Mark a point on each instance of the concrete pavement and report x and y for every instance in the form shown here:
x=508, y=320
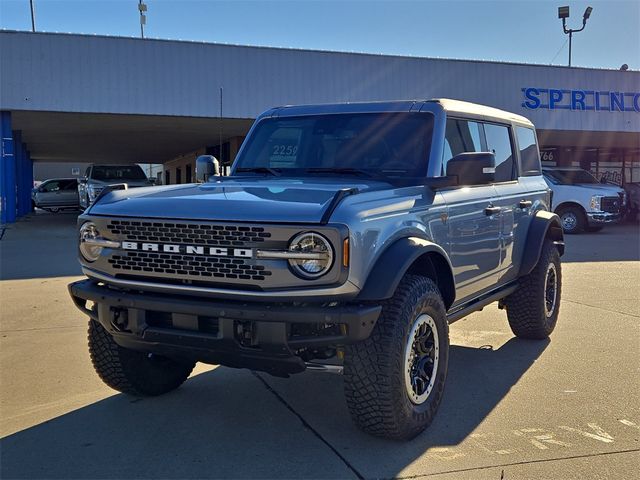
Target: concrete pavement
x=564, y=408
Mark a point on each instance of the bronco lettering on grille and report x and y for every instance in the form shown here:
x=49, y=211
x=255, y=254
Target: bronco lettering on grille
x=189, y=249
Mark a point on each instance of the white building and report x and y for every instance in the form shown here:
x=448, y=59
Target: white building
x=75, y=99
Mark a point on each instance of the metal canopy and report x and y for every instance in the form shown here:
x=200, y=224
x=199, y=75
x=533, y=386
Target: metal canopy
x=109, y=138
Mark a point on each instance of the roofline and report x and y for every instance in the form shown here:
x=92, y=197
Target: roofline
x=455, y=107
x=312, y=50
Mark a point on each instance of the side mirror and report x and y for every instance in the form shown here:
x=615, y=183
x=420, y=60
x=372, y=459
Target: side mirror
x=206, y=166
x=473, y=168
x=82, y=180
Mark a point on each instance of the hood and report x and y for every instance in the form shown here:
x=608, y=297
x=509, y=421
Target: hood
x=274, y=200
x=130, y=183
x=601, y=188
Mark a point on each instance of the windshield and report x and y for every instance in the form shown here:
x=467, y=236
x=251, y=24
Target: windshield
x=378, y=143
x=571, y=177
x=109, y=173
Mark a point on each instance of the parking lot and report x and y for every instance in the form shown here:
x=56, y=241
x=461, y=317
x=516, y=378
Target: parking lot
x=565, y=408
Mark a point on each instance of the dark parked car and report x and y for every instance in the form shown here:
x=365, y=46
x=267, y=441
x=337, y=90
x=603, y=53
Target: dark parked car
x=56, y=194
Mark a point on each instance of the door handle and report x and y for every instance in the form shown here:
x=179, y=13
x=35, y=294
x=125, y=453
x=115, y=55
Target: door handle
x=525, y=203
x=491, y=210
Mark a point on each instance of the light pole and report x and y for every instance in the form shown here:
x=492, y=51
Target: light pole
x=563, y=13
x=142, y=8
x=33, y=17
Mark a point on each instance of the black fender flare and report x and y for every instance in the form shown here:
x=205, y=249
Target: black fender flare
x=543, y=225
x=397, y=259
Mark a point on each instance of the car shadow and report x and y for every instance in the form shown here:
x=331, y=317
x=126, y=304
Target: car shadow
x=225, y=424
x=614, y=243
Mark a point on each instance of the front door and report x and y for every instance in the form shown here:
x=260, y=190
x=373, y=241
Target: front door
x=474, y=219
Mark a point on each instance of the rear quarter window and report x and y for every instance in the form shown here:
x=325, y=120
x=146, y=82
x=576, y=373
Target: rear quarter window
x=499, y=142
x=529, y=155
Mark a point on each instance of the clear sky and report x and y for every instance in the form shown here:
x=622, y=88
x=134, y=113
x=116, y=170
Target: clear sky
x=516, y=30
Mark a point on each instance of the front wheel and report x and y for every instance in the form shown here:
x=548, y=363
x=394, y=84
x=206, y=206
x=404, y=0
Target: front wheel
x=573, y=220
x=133, y=372
x=532, y=310
x=394, y=380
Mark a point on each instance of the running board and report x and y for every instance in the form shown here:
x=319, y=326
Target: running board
x=317, y=367
x=481, y=302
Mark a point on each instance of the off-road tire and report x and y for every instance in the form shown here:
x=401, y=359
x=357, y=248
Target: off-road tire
x=526, y=306
x=580, y=219
x=374, y=380
x=132, y=372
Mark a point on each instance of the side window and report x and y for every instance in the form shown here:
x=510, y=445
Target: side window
x=461, y=136
x=69, y=185
x=52, y=186
x=499, y=142
x=529, y=155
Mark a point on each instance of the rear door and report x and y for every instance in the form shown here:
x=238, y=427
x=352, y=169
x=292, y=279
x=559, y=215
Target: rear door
x=474, y=231
x=513, y=210
x=68, y=193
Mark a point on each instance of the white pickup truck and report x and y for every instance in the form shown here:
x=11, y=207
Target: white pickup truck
x=581, y=201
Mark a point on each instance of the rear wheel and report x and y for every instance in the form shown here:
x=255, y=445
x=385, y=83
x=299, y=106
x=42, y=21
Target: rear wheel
x=395, y=379
x=532, y=310
x=133, y=372
x=573, y=219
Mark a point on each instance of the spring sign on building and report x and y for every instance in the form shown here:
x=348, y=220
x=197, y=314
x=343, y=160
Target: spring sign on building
x=594, y=100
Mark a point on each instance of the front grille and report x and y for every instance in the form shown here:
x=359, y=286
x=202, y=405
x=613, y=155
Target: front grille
x=610, y=204
x=189, y=233
x=201, y=265
x=181, y=265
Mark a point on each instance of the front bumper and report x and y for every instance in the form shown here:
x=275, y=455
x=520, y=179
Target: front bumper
x=599, y=218
x=259, y=336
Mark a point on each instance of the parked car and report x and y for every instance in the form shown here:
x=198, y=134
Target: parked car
x=581, y=201
x=97, y=177
x=346, y=239
x=56, y=194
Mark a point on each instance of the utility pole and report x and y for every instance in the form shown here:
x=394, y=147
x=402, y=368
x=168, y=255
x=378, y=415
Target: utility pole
x=563, y=13
x=142, y=7
x=33, y=17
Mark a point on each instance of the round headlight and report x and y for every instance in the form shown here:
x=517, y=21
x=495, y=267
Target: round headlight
x=313, y=255
x=90, y=252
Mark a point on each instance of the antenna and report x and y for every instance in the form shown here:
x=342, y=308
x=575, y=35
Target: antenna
x=220, y=130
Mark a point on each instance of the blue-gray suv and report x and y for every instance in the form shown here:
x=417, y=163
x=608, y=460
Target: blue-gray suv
x=346, y=238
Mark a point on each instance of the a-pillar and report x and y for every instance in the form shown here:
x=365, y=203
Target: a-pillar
x=7, y=171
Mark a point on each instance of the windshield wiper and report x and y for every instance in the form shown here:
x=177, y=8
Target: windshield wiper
x=347, y=171
x=272, y=171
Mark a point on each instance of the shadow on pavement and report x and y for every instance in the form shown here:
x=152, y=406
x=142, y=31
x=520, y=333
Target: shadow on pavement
x=615, y=243
x=40, y=245
x=225, y=423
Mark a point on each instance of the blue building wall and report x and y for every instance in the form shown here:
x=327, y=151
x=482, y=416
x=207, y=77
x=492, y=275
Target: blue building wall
x=16, y=173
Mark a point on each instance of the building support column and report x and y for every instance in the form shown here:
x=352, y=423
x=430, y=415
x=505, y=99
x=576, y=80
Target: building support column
x=28, y=178
x=7, y=170
x=17, y=153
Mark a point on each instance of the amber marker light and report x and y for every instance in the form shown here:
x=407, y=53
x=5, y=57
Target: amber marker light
x=345, y=252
